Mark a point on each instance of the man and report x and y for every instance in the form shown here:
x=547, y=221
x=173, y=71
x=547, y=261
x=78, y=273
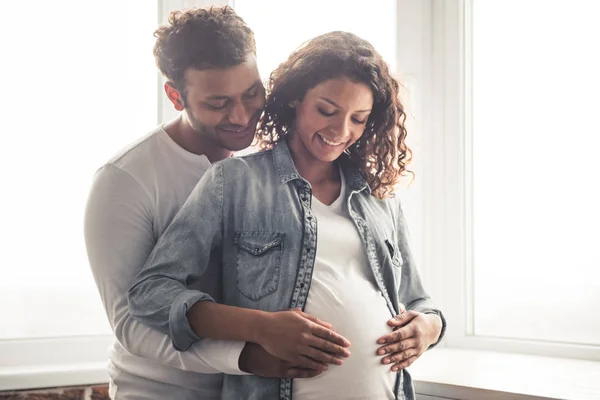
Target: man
x=208, y=57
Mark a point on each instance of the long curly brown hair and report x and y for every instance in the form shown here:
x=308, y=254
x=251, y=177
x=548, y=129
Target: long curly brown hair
x=381, y=154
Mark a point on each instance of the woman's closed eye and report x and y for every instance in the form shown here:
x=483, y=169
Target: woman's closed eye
x=251, y=94
x=325, y=113
x=359, y=121
x=355, y=120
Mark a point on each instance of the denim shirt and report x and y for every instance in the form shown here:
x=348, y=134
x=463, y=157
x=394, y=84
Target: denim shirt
x=251, y=217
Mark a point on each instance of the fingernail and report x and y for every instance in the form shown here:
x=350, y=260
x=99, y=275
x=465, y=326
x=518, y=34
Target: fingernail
x=381, y=352
x=386, y=360
x=395, y=369
x=381, y=341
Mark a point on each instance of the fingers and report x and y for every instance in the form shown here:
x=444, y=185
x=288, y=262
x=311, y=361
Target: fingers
x=402, y=319
x=398, y=335
x=305, y=362
x=400, y=354
x=323, y=357
x=324, y=345
x=399, y=358
x=329, y=342
x=329, y=336
x=398, y=347
x=301, y=373
x=314, y=319
x=404, y=364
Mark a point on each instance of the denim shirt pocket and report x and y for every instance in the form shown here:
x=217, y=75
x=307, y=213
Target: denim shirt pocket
x=258, y=263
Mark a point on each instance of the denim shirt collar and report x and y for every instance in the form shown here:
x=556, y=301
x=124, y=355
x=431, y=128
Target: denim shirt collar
x=286, y=170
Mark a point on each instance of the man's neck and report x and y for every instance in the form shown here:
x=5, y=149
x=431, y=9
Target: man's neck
x=184, y=135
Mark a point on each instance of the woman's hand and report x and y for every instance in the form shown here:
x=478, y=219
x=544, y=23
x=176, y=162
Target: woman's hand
x=301, y=339
x=413, y=333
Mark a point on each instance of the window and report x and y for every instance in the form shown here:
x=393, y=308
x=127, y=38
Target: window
x=282, y=26
x=79, y=83
x=535, y=135
x=514, y=91
x=74, y=92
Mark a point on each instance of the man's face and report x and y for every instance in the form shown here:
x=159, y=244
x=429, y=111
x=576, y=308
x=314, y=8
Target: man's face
x=224, y=105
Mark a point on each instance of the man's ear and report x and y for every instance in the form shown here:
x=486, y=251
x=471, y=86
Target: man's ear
x=174, y=95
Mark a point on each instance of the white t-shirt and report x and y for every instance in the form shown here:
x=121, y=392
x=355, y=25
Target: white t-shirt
x=133, y=199
x=343, y=292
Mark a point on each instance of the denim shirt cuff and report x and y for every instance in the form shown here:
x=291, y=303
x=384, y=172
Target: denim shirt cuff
x=443, y=331
x=180, y=330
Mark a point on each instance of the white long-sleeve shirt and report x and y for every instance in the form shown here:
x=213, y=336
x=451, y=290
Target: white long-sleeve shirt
x=132, y=200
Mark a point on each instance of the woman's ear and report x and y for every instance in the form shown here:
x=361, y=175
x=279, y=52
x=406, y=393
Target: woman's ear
x=293, y=104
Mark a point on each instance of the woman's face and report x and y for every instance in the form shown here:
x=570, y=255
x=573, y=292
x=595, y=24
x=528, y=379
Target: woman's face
x=330, y=118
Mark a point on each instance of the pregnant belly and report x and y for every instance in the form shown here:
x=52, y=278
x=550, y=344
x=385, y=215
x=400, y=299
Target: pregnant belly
x=360, y=315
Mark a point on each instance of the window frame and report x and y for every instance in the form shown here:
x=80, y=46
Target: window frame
x=449, y=198
x=53, y=362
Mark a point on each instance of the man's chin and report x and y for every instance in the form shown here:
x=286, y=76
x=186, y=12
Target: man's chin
x=237, y=145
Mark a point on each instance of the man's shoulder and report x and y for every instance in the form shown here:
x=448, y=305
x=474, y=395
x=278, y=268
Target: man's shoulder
x=139, y=153
x=130, y=169
x=139, y=160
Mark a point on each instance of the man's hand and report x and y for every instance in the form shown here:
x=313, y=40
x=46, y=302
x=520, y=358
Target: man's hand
x=301, y=339
x=413, y=333
x=257, y=361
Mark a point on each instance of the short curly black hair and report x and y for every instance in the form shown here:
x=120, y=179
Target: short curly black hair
x=381, y=154
x=201, y=38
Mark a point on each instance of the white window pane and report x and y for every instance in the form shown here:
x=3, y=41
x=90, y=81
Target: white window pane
x=536, y=203
x=79, y=82
x=282, y=26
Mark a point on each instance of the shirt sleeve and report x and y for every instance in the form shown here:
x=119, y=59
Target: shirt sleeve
x=159, y=296
x=412, y=293
x=119, y=237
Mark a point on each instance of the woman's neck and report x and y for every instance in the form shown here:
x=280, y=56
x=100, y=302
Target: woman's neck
x=315, y=171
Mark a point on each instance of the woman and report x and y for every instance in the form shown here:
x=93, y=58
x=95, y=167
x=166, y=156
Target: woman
x=308, y=223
